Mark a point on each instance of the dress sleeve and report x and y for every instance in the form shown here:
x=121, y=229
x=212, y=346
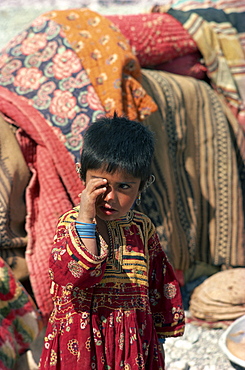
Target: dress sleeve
x=71, y=262
x=164, y=292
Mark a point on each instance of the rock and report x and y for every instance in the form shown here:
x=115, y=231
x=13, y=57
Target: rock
x=183, y=344
x=198, y=349
x=191, y=333
x=178, y=365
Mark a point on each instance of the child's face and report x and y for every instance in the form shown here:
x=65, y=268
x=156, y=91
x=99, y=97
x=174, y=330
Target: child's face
x=121, y=191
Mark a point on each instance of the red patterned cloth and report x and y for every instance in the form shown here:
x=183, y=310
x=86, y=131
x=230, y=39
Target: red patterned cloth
x=187, y=65
x=53, y=188
x=155, y=37
x=19, y=318
x=110, y=310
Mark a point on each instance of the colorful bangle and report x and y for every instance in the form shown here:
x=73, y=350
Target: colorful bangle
x=85, y=223
x=86, y=230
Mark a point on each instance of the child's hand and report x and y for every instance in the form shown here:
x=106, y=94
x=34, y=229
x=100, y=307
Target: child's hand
x=94, y=188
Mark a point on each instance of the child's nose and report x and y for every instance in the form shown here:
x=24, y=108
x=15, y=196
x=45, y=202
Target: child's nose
x=109, y=194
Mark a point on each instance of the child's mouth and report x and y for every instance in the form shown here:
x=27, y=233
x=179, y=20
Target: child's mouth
x=107, y=211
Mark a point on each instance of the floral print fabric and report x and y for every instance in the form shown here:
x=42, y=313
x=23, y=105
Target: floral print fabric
x=40, y=67
x=110, y=310
x=108, y=60
x=74, y=66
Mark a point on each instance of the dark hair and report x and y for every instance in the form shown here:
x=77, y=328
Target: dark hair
x=118, y=143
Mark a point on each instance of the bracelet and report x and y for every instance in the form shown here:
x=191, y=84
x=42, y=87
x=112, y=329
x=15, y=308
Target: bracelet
x=87, y=236
x=86, y=230
x=85, y=223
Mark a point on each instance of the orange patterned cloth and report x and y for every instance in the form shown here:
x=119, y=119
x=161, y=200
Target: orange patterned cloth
x=106, y=55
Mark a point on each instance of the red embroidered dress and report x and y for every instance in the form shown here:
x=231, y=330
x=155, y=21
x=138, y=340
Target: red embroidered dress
x=110, y=310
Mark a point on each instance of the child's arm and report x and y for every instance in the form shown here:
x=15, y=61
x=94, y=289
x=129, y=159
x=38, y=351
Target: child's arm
x=164, y=292
x=71, y=263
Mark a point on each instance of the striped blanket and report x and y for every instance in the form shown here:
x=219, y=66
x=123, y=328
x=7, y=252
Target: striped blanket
x=197, y=200
x=220, y=39
x=230, y=6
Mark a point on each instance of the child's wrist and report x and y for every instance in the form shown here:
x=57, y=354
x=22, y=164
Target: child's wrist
x=86, y=230
x=86, y=220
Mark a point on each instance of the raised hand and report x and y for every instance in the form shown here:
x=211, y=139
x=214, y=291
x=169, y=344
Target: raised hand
x=94, y=188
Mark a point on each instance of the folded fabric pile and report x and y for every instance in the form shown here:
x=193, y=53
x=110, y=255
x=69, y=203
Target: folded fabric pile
x=15, y=176
x=164, y=43
x=231, y=6
x=219, y=36
x=206, y=44
x=70, y=67
x=47, y=94
x=107, y=57
x=197, y=165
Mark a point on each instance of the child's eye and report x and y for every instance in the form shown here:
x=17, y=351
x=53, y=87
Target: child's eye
x=124, y=186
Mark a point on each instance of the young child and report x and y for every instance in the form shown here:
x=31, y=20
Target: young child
x=115, y=294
